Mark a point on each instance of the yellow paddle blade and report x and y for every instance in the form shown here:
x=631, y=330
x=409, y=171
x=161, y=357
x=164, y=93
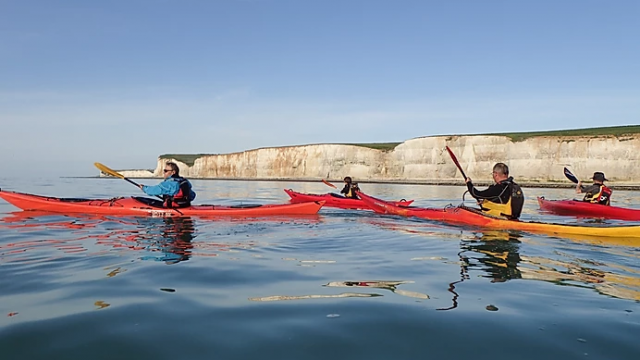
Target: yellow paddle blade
x=108, y=171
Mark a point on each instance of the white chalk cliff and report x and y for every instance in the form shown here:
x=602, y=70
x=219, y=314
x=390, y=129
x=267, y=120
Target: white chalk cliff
x=536, y=159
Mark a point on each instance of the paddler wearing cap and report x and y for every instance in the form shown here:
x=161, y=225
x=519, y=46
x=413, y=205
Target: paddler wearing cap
x=597, y=193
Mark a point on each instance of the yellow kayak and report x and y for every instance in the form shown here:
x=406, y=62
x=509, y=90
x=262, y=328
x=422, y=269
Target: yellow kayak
x=472, y=217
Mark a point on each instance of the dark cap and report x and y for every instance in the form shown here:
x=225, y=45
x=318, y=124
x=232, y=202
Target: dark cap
x=599, y=176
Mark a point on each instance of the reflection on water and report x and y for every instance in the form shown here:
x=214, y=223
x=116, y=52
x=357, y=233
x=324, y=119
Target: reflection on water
x=497, y=256
x=304, y=297
x=501, y=250
x=501, y=261
x=164, y=239
x=387, y=285
x=172, y=239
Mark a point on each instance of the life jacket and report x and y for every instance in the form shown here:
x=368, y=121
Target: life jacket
x=602, y=197
x=512, y=208
x=181, y=199
x=351, y=193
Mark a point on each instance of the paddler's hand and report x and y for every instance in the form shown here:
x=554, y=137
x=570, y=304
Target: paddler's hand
x=141, y=187
x=468, y=180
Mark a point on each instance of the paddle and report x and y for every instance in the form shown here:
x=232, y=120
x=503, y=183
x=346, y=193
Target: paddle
x=329, y=184
x=113, y=173
x=570, y=175
x=455, y=160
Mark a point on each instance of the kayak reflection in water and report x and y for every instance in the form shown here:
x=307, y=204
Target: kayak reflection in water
x=598, y=193
x=350, y=188
x=502, y=199
x=175, y=190
x=500, y=260
x=173, y=240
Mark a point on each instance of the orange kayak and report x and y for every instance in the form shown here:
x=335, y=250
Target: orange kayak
x=475, y=218
x=146, y=206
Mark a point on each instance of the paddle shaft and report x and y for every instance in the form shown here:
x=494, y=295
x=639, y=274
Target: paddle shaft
x=131, y=181
x=455, y=161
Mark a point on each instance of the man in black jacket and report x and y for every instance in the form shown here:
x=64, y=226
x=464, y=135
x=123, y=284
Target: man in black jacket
x=502, y=199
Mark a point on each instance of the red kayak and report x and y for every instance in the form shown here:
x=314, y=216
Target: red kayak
x=145, y=206
x=586, y=209
x=472, y=217
x=337, y=201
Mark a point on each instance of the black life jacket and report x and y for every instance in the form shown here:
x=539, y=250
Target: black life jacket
x=602, y=197
x=351, y=189
x=517, y=200
x=512, y=208
x=181, y=199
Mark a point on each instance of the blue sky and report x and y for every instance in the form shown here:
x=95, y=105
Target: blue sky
x=123, y=81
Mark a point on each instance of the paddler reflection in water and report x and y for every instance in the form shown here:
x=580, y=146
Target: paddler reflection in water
x=500, y=254
x=172, y=239
x=350, y=188
x=175, y=190
x=502, y=199
x=597, y=193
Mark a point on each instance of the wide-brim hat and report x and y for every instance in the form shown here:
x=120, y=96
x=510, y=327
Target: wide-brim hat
x=599, y=176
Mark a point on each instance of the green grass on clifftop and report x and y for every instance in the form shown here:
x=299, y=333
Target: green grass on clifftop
x=188, y=159
x=591, y=132
x=379, y=146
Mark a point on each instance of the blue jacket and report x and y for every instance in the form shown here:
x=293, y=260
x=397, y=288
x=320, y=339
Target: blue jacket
x=170, y=186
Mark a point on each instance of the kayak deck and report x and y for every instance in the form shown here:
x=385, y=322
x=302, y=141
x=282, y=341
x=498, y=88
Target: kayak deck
x=147, y=206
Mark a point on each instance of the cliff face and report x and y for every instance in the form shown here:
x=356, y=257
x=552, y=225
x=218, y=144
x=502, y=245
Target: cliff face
x=538, y=159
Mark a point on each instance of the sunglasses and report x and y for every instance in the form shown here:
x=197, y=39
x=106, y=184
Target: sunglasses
x=165, y=170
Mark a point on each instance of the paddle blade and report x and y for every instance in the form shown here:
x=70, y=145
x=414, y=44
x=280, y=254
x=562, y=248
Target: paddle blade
x=455, y=161
x=570, y=175
x=108, y=171
x=329, y=184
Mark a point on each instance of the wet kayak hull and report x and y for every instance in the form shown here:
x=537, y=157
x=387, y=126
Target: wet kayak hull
x=146, y=206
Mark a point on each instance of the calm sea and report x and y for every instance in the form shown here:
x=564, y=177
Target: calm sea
x=340, y=285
